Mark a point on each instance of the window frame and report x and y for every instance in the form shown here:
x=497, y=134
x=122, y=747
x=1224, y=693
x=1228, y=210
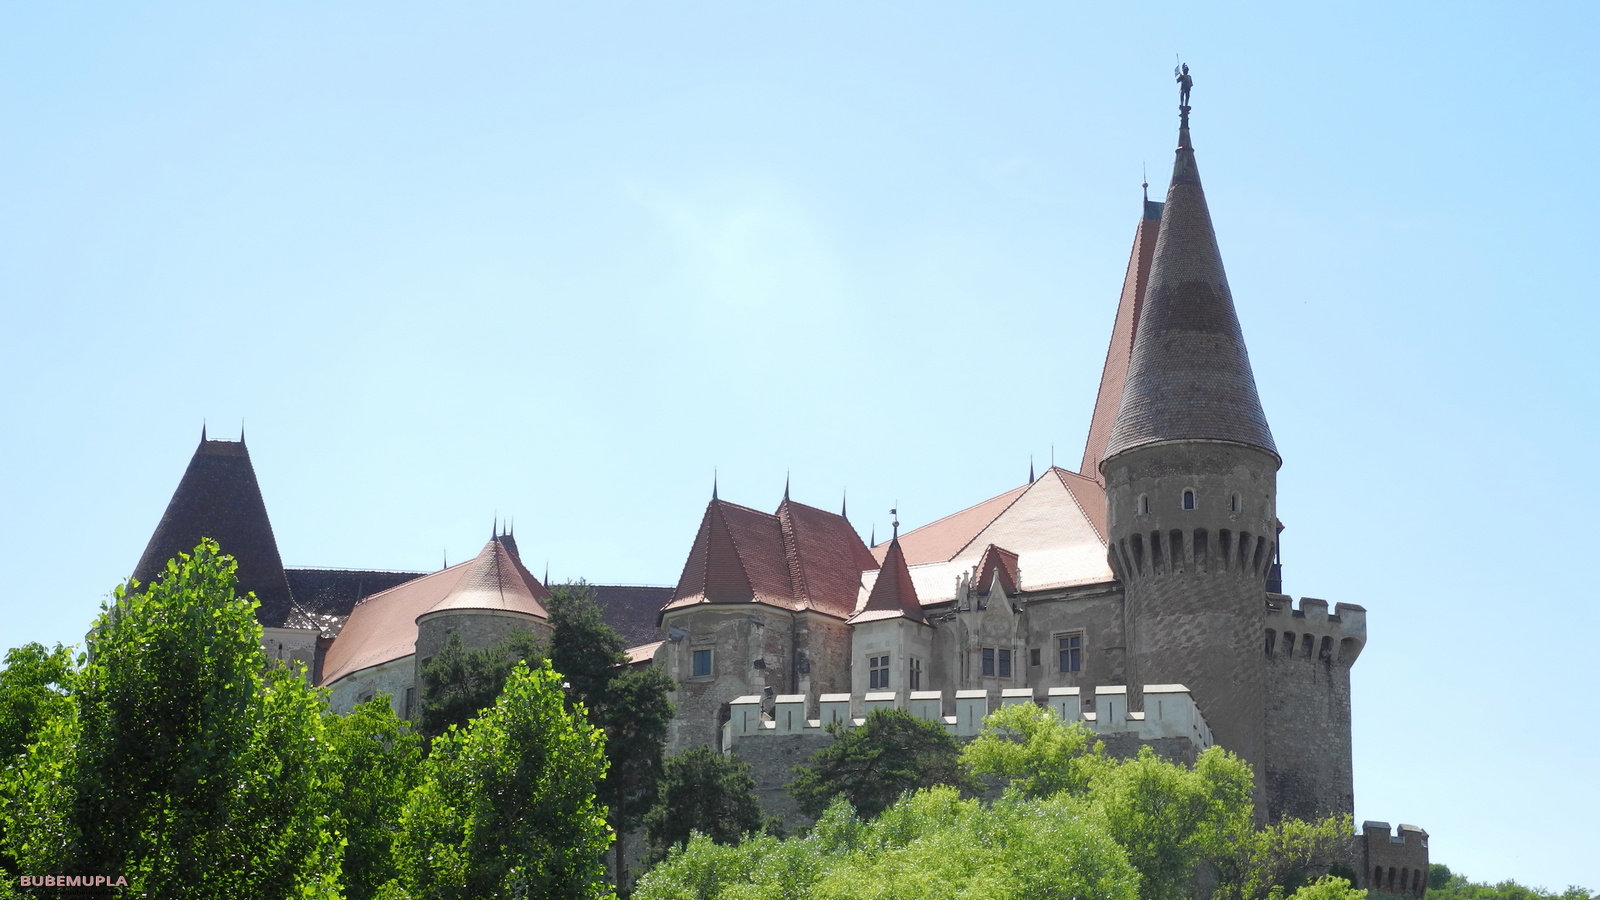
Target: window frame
x=1075, y=649
x=913, y=674
x=694, y=662
x=878, y=672
x=987, y=664
x=1005, y=667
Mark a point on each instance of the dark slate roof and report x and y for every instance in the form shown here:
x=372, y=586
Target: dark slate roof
x=632, y=610
x=325, y=597
x=218, y=498
x=1189, y=378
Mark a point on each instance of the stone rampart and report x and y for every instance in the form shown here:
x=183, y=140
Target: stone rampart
x=1393, y=863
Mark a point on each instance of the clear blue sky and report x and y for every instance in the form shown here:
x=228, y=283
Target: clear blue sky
x=558, y=262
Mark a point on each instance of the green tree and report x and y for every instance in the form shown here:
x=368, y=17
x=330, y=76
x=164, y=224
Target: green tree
x=506, y=807
x=1328, y=887
x=1444, y=884
x=458, y=683
x=185, y=762
x=1035, y=752
x=705, y=792
x=871, y=765
x=33, y=691
x=377, y=762
x=1256, y=862
x=630, y=705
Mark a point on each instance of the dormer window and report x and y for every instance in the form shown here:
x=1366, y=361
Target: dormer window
x=1188, y=499
x=1144, y=504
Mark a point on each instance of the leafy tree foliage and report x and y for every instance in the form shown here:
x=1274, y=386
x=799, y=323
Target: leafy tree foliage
x=931, y=844
x=1035, y=752
x=629, y=705
x=377, y=762
x=705, y=792
x=872, y=765
x=458, y=683
x=506, y=807
x=33, y=691
x=1444, y=884
x=184, y=761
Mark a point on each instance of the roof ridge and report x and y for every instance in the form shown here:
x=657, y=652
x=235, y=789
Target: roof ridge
x=1026, y=489
x=1062, y=474
x=791, y=556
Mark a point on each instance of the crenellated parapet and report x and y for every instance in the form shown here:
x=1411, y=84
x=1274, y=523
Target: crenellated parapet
x=1310, y=633
x=1169, y=712
x=1393, y=862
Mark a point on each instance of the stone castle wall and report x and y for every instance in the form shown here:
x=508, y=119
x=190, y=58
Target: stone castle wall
x=1309, y=654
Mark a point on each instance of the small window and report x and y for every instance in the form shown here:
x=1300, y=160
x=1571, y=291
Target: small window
x=1235, y=503
x=1071, y=648
x=878, y=672
x=914, y=674
x=702, y=663
x=1188, y=499
x=988, y=661
x=1033, y=657
x=1144, y=504
x=411, y=703
x=1005, y=663
x=365, y=698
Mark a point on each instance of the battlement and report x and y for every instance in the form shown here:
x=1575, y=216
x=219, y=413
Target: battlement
x=1169, y=712
x=1309, y=632
x=1393, y=863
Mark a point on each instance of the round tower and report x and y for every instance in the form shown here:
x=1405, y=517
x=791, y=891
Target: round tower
x=1190, y=471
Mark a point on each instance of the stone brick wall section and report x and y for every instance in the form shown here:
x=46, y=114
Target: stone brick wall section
x=1309, y=654
x=1392, y=863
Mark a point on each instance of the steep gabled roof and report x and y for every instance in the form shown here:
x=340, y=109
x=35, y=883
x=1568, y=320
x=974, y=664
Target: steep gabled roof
x=942, y=539
x=495, y=579
x=893, y=594
x=738, y=557
x=219, y=498
x=801, y=558
x=997, y=562
x=1114, y=375
x=1189, y=378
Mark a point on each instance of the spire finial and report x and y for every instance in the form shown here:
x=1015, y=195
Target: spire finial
x=1181, y=74
x=202, y=431
x=844, y=506
x=241, y=432
x=896, y=520
x=1144, y=172
x=873, y=541
x=786, y=485
x=444, y=559
x=547, y=573
x=1031, y=479
x=713, y=484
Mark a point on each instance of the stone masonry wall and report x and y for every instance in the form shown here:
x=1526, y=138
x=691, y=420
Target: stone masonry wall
x=1309, y=654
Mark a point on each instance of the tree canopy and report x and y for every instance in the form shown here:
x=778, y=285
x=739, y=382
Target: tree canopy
x=705, y=792
x=871, y=765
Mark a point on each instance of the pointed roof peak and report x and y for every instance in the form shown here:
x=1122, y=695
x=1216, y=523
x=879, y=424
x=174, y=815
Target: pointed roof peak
x=496, y=579
x=1189, y=376
x=893, y=594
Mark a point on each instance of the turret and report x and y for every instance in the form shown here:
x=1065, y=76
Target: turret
x=1190, y=470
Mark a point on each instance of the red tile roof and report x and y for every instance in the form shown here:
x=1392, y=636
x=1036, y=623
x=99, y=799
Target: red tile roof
x=997, y=561
x=496, y=579
x=800, y=558
x=941, y=540
x=892, y=592
x=1124, y=329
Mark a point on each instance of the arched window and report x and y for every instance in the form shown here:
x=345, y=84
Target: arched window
x=1188, y=499
x=1144, y=504
x=1235, y=503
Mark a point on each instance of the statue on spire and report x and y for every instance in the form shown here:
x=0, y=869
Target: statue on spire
x=1181, y=73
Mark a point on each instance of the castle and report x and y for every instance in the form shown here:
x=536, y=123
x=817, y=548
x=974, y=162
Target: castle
x=1140, y=594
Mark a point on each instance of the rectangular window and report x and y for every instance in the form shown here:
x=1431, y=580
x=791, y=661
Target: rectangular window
x=1071, y=646
x=988, y=661
x=702, y=662
x=411, y=703
x=878, y=672
x=1005, y=663
x=1033, y=656
x=914, y=674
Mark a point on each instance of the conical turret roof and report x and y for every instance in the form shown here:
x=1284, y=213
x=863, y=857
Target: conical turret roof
x=219, y=498
x=893, y=594
x=1189, y=378
x=496, y=580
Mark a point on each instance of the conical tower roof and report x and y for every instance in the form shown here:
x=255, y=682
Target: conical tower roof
x=219, y=498
x=893, y=594
x=1189, y=378
x=494, y=579
x=1114, y=376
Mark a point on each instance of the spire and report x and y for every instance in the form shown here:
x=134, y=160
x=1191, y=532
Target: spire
x=202, y=431
x=894, y=591
x=1189, y=378
x=1031, y=479
x=786, y=485
x=844, y=506
x=873, y=541
x=713, y=484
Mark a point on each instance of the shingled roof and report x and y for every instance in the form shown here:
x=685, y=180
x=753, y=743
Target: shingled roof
x=1114, y=375
x=893, y=593
x=1189, y=378
x=800, y=558
x=219, y=498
